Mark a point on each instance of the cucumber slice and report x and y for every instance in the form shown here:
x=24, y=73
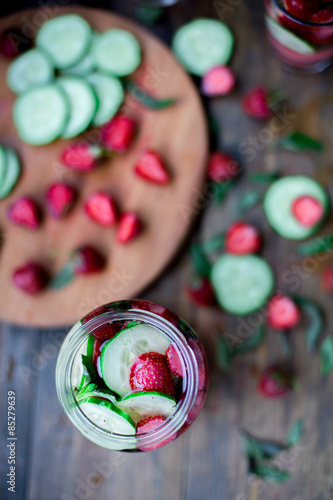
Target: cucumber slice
x=110, y=94
x=119, y=352
x=87, y=65
x=83, y=104
x=12, y=172
x=242, y=284
x=41, y=114
x=141, y=404
x=78, y=378
x=278, y=201
x=117, y=52
x=66, y=39
x=287, y=38
x=107, y=416
x=202, y=44
x=28, y=70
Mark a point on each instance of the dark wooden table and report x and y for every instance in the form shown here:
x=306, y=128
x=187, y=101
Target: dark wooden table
x=54, y=462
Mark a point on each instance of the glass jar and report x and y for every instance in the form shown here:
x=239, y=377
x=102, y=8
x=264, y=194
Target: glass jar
x=192, y=388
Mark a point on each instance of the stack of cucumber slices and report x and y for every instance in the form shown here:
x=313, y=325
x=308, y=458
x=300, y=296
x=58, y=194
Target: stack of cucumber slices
x=70, y=79
x=10, y=170
x=102, y=383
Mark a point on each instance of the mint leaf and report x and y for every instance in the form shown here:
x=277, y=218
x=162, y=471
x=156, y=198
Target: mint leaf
x=251, y=342
x=326, y=356
x=86, y=391
x=271, y=473
x=63, y=278
x=148, y=15
x=316, y=245
x=214, y=243
x=146, y=99
x=200, y=262
x=88, y=368
x=262, y=449
x=295, y=433
x=249, y=200
x=221, y=189
x=265, y=178
x=316, y=321
x=223, y=354
x=298, y=142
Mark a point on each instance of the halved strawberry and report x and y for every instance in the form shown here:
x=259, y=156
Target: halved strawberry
x=60, y=199
x=149, y=424
x=86, y=260
x=150, y=372
x=323, y=16
x=151, y=167
x=275, y=382
x=222, y=167
x=129, y=227
x=283, y=313
x=307, y=210
x=327, y=280
x=301, y=9
x=174, y=361
x=118, y=134
x=201, y=291
x=219, y=80
x=101, y=208
x=82, y=156
x=109, y=330
x=256, y=103
x=25, y=212
x=32, y=278
x=242, y=238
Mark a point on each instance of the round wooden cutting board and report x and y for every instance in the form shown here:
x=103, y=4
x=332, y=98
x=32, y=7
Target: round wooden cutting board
x=178, y=133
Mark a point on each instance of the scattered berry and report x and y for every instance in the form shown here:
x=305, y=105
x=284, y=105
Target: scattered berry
x=151, y=168
x=174, y=361
x=87, y=260
x=219, y=80
x=327, y=280
x=32, y=278
x=274, y=383
x=301, y=9
x=222, y=167
x=81, y=156
x=307, y=211
x=150, y=372
x=255, y=103
x=25, y=212
x=102, y=209
x=118, y=134
x=242, y=238
x=283, y=313
x=201, y=291
x=322, y=16
x=60, y=199
x=129, y=227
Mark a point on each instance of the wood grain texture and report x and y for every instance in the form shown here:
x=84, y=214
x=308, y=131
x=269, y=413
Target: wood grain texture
x=178, y=133
x=207, y=462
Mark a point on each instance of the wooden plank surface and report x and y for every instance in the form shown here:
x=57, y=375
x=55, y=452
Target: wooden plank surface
x=207, y=462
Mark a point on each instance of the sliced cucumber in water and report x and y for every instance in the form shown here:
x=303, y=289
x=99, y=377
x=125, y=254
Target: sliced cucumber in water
x=67, y=39
x=279, y=199
x=107, y=416
x=41, y=114
x=141, y=404
x=12, y=171
x=242, y=284
x=110, y=94
x=119, y=353
x=78, y=377
x=202, y=44
x=32, y=68
x=82, y=104
x=287, y=38
x=117, y=52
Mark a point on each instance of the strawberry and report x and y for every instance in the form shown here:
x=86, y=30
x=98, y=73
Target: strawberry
x=81, y=156
x=201, y=291
x=148, y=425
x=86, y=260
x=219, y=80
x=242, y=238
x=101, y=208
x=60, y=199
x=327, y=280
x=25, y=212
x=13, y=42
x=274, y=382
x=118, y=134
x=283, y=313
x=129, y=227
x=174, y=361
x=308, y=211
x=106, y=332
x=222, y=167
x=322, y=16
x=32, y=277
x=301, y=9
x=151, y=168
x=150, y=372
x=96, y=352
x=255, y=103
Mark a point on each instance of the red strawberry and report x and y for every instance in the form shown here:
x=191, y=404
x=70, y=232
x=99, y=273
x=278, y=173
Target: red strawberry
x=242, y=238
x=222, y=167
x=274, y=383
x=129, y=227
x=201, y=291
x=283, y=313
x=219, y=80
x=255, y=103
x=118, y=133
x=60, y=198
x=102, y=209
x=81, y=156
x=151, y=168
x=307, y=210
x=87, y=260
x=150, y=372
x=301, y=9
x=327, y=280
x=323, y=16
x=174, y=361
x=32, y=277
x=106, y=332
x=25, y=212
x=13, y=42
x=148, y=425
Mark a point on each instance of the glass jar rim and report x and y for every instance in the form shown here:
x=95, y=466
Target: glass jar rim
x=72, y=343
x=299, y=21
